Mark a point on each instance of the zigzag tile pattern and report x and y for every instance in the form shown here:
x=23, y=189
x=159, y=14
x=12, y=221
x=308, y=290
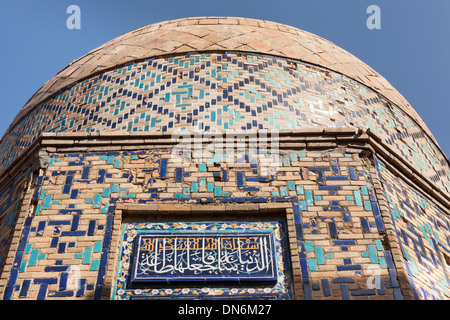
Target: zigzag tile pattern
x=228, y=91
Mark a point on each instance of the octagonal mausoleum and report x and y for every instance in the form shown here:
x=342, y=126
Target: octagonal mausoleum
x=222, y=158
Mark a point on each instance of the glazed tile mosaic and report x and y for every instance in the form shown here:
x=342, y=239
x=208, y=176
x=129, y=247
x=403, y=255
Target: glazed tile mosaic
x=198, y=287
x=353, y=203
x=233, y=90
x=423, y=229
x=336, y=218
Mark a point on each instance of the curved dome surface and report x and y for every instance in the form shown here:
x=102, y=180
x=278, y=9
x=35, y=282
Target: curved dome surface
x=234, y=73
x=220, y=34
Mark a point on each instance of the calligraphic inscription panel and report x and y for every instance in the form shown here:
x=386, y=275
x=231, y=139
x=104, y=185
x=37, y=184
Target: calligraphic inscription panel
x=227, y=260
x=204, y=257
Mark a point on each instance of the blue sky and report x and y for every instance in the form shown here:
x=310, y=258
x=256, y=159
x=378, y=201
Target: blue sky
x=412, y=49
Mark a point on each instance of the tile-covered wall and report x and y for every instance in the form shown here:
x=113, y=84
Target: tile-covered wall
x=334, y=225
x=66, y=243
x=12, y=195
x=225, y=91
x=423, y=230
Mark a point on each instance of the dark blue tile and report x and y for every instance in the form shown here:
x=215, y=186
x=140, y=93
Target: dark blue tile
x=163, y=168
x=363, y=292
x=333, y=178
x=348, y=267
x=365, y=225
x=345, y=292
x=307, y=291
x=91, y=228
x=63, y=281
x=61, y=294
x=330, y=188
x=343, y=242
x=333, y=229
x=101, y=176
x=24, y=290
x=41, y=228
x=72, y=233
x=325, y=287
x=42, y=294
x=179, y=175
x=75, y=221
x=55, y=268
x=343, y=280
x=85, y=173
x=240, y=178
x=352, y=172
x=45, y=281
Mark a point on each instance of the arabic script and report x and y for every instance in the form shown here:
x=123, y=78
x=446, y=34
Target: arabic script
x=211, y=256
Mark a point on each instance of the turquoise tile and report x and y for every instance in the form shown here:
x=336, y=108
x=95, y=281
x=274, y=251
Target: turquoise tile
x=367, y=206
x=309, y=198
x=33, y=257
x=97, y=200
x=358, y=199
x=47, y=202
x=98, y=246
x=78, y=255
x=95, y=265
x=312, y=264
x=106, y=192
x=302, y=205
x=319, y=255
x=87, y=255
x=115, y=187
x=382, y=262
x=379, y=245
x=364, y=191
x=291, y=185
x=373, y=253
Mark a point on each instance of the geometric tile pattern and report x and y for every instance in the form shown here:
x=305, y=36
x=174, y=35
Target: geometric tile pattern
x=232, y=34
x=423, y=230
x=338, y=226
x=226, y=91
x=215, y=75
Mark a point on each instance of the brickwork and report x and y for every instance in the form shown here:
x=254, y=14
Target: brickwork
x=220, y=92
x=423, y=230
x=348, y=192
x=334, y=224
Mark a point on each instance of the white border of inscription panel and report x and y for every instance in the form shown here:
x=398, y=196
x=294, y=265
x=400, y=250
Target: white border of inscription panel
x=212, y=256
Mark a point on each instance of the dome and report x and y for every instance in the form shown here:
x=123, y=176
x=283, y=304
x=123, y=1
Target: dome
x=203, y=34
x=215, y=35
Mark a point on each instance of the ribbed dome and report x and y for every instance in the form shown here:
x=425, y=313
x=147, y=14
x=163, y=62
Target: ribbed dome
x=202, y=34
